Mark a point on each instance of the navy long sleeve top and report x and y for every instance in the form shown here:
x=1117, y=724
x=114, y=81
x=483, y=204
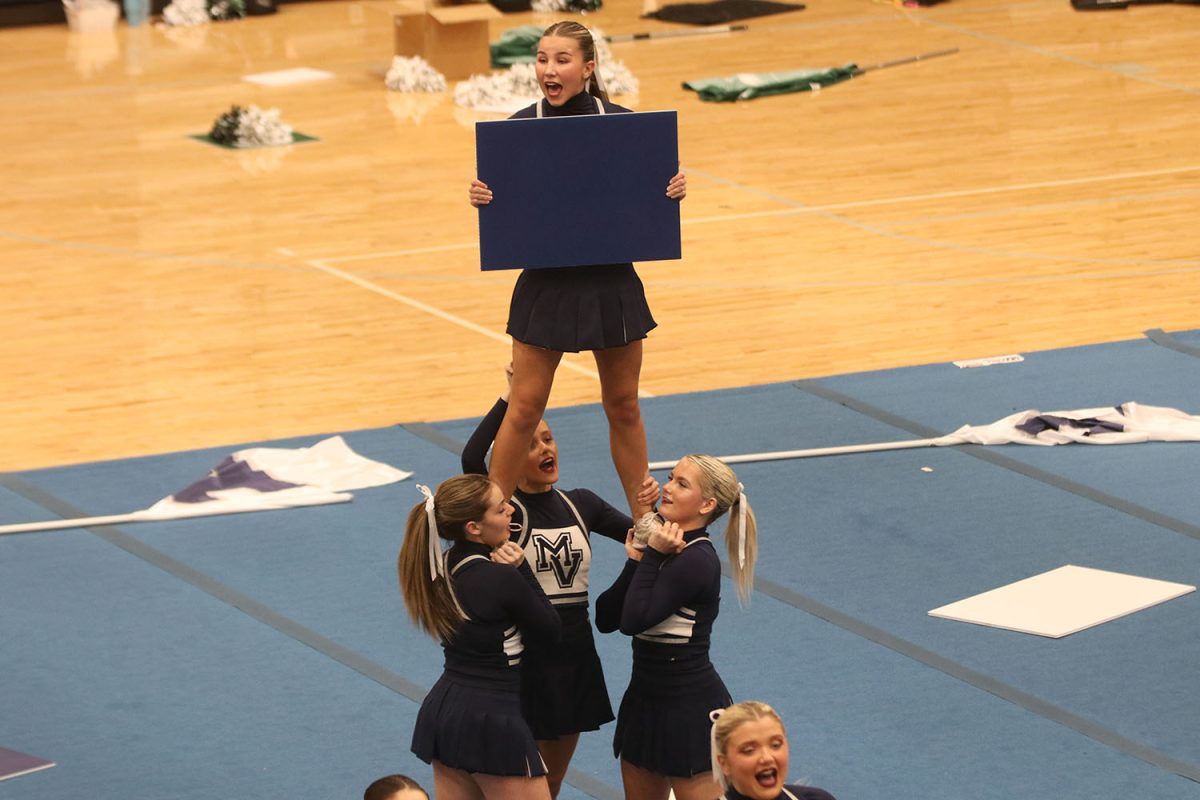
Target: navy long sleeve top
x=504, y=607
x=668, y=603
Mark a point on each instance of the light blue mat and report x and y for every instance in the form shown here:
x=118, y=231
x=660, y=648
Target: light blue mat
x=269, y=655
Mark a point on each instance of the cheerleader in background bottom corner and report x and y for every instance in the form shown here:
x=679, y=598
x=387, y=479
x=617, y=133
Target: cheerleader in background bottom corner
x=482, y=601
x=667, y=597
x=750, y=755
x=395, y=787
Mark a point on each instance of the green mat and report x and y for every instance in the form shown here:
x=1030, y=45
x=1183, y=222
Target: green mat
x=297, y=138
x=748, y=85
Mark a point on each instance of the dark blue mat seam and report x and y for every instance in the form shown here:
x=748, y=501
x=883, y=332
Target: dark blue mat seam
x=1164, y=339
x=979, y=680
x=985, y=453
x=260, y=612
x=424, y=430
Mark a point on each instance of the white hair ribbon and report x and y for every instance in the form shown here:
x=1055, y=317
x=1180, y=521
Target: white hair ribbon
x=596, y=58
x=435, y=546
x=718, y=773
x=741, y=525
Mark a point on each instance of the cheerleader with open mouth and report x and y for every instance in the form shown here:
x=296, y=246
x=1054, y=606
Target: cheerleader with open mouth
x=750, y=755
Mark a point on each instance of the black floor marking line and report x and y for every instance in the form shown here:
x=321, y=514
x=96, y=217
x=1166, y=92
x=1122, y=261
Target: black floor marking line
x=1164, y=339
x=1004, y=691
x=263, y=613
x=988, y=454
x=423, y=430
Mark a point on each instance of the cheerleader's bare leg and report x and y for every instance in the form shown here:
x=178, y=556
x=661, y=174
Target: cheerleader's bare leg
x=620, y=371
x=496, y=787
x=697, y=787
x=454, y=784
x=532, y=379
x=642, y=784
x=557, y=755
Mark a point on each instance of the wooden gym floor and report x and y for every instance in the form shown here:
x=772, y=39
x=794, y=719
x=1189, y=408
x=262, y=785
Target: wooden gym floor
x=1040, y=189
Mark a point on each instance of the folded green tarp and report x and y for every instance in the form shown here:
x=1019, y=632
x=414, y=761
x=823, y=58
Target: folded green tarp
x=748, y=85
x=516, y=46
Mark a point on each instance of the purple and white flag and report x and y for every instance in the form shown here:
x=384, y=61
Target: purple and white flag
x=263, y=478
x=255, y=479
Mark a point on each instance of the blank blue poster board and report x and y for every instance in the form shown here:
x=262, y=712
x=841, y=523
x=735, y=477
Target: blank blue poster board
x=570, y=191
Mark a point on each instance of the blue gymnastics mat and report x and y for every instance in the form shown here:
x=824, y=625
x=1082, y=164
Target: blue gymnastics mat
x=269, y=655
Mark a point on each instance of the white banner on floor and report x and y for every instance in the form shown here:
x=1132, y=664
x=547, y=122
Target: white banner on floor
x=256, y=479
x=1128, y=423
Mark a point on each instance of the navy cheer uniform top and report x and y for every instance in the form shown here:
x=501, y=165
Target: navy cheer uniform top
x=505, y=610
x=668, y=605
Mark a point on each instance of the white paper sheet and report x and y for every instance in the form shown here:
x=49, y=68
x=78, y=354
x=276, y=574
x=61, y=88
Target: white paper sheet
x=285, y=77
x=1062, y=601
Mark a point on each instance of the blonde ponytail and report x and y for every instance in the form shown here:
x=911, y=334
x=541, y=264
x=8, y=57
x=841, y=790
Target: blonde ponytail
x=720, y=482
x=741, y=539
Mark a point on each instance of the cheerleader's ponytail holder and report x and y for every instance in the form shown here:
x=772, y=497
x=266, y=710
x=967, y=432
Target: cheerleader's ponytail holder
x=596, y=58
x=718, y=773
x=436, y=567
x=741, y=526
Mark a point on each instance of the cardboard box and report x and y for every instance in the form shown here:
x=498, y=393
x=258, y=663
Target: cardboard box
x=452, y=38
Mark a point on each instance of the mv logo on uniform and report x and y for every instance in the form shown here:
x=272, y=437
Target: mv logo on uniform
x=554, y=553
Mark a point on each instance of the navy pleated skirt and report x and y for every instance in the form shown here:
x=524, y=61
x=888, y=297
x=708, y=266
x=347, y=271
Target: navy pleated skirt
x=573, y=309
x=476, y=728
x=562, y=687
x=664, y=727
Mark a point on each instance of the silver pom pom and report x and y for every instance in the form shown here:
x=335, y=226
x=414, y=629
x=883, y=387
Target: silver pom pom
x=644, y=527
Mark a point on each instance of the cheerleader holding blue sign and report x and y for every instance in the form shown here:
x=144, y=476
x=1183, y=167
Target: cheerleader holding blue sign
x=481, y=600
x=666, y=598
x=558, y=310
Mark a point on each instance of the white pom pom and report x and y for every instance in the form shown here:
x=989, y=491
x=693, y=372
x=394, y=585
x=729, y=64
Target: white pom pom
x=499, y=91
x=644, y=528
x=258, y=128
x=186, y=13
x=414, y=74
